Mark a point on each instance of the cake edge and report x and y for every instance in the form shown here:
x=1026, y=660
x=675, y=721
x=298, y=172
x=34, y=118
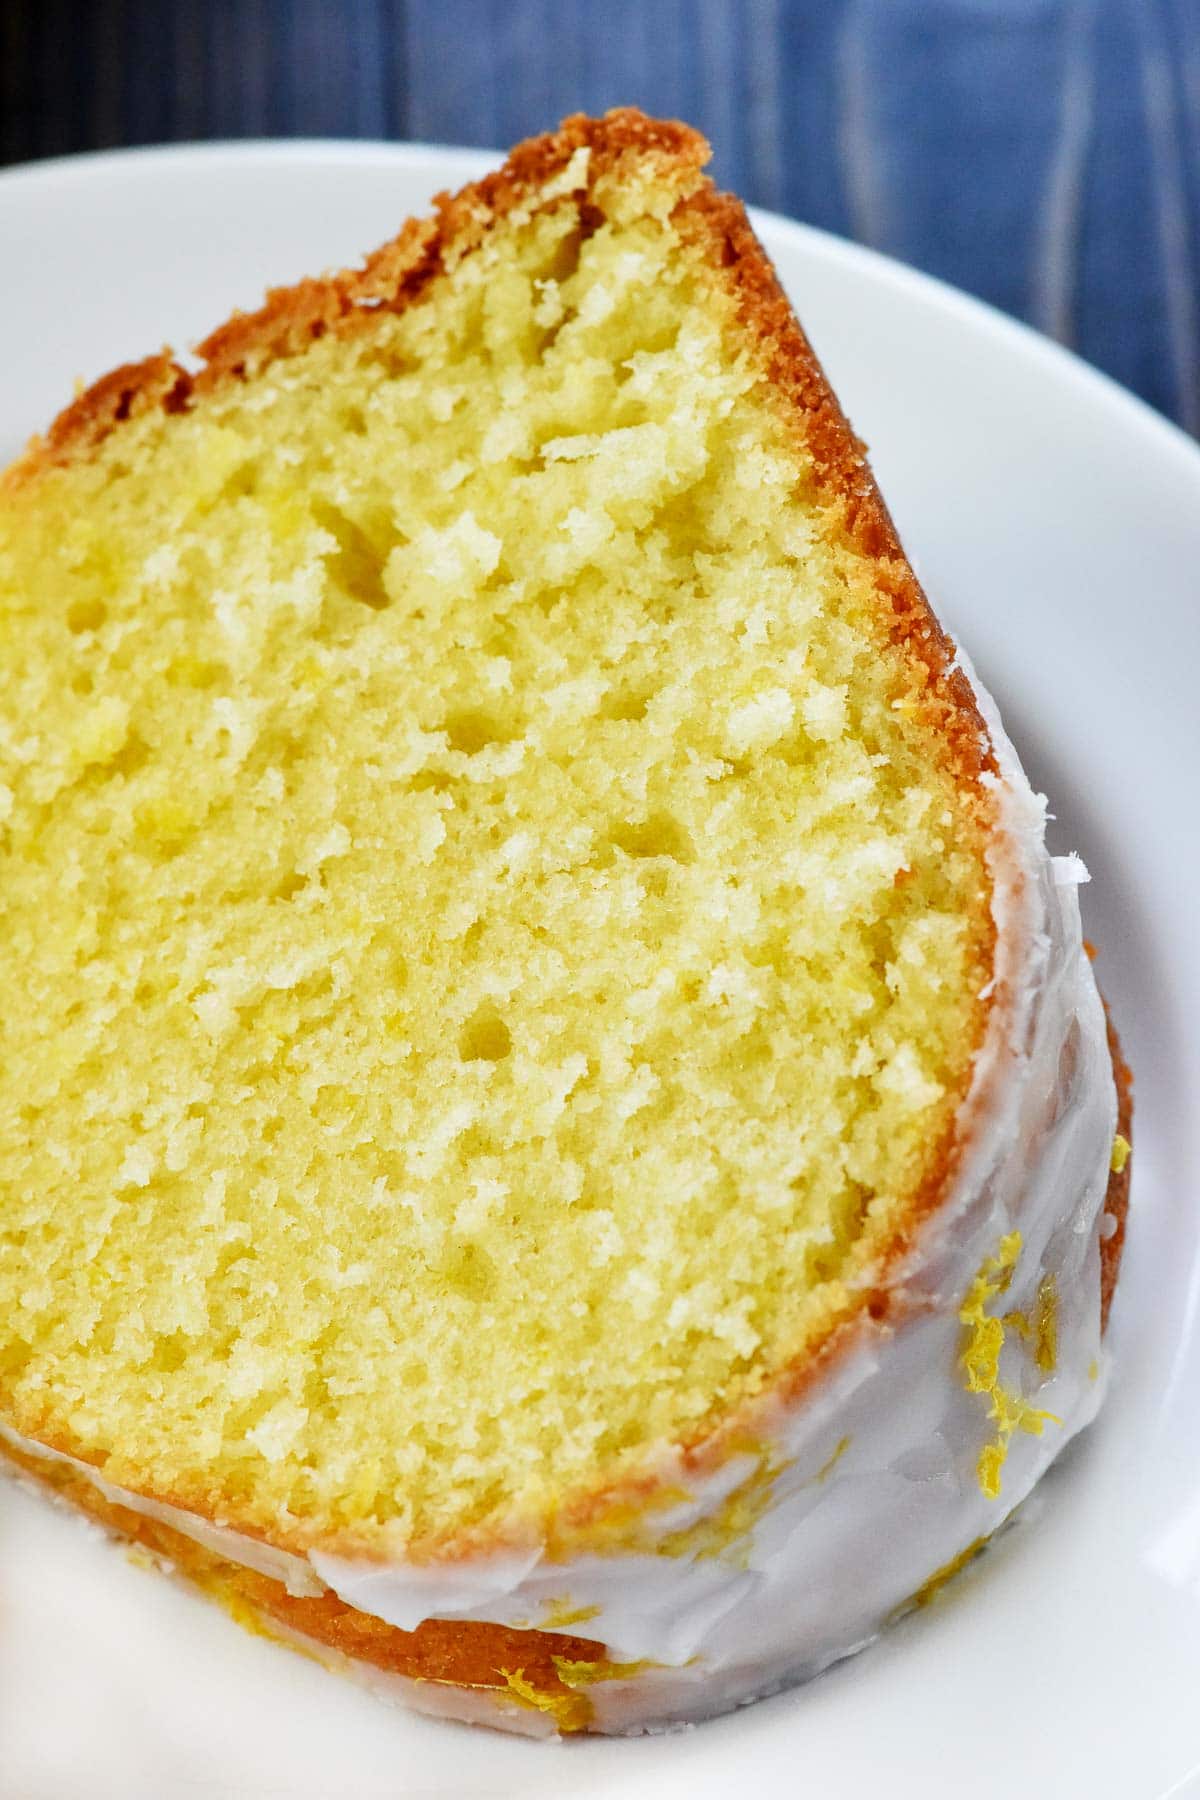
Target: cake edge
x=396, y=276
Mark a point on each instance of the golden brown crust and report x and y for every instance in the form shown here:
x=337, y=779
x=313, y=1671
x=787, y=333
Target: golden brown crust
x=392, y=277
x=1116, y=1203
x=842, y=468
x=122, y=394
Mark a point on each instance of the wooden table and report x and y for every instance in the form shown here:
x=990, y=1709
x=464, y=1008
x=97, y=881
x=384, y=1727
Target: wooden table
x=1044, y=154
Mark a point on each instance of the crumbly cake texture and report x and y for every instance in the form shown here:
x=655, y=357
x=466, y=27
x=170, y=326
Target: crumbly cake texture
x=495, y=855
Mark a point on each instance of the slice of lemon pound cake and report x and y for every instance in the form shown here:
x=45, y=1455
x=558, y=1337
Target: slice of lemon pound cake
x=555, y=1122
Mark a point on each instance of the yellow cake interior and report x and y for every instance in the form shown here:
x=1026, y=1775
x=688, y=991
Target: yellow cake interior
x=485, y=932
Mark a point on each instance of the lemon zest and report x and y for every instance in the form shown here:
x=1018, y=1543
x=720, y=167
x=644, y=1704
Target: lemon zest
x=570, y=1711
x=932, y=1587
x=1008, y=1410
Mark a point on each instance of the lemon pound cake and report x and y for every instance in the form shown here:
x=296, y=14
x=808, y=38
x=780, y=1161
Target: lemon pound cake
x=556, y=1128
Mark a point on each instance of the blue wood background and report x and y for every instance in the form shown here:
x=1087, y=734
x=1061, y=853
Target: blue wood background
x=1044, y=154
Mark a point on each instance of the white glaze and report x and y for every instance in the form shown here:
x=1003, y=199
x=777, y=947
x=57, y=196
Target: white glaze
x=293, y=1571
x=843, y=1544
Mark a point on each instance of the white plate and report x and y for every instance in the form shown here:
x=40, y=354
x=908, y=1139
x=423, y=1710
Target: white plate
x=1057, y=522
